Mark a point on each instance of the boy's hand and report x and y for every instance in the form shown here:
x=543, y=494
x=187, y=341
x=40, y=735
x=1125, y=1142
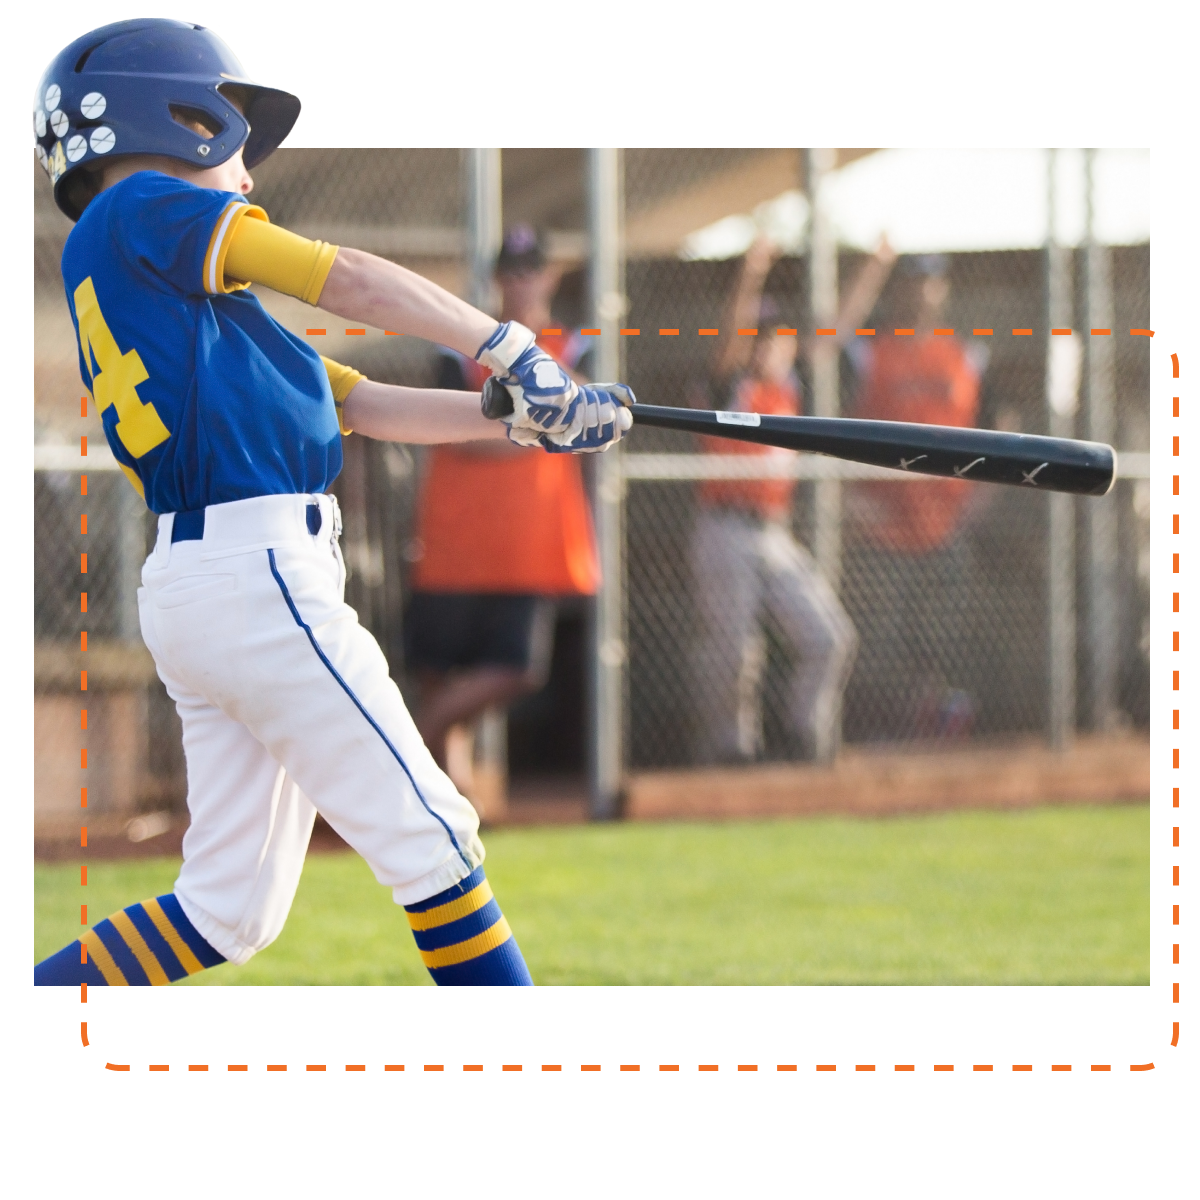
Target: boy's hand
x=601, y=416
x=549, y=408
x=544, y=395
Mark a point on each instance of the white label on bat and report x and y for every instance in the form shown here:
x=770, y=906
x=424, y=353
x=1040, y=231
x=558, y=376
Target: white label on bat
x=738, y=418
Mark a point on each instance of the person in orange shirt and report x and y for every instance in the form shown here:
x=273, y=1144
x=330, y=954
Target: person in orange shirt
x=748, y=567
x=502, y=531
x=912, y=558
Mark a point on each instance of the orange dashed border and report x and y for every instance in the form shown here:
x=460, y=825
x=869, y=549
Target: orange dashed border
x=635, y=1068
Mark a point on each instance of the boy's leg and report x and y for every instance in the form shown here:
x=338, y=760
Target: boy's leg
x=244, y=849
x=460, y=931
x=463, y=937
x=280, y=652
x=147, y=943
x=243, y=853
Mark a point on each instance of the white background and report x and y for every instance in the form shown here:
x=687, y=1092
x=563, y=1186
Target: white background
x=646, y=73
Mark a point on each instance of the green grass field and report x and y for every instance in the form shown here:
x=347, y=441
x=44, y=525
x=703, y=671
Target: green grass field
x=1050, y=896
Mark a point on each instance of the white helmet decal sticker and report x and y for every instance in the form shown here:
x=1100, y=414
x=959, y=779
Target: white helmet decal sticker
x=59, y=122
x=53, y=96
x=76, y=148
x=93, y=105
x=103, y=140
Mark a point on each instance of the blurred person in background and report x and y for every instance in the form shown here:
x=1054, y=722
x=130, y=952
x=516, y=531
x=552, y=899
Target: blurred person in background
x=751, y=573
x=911, y=552
x=502, y=531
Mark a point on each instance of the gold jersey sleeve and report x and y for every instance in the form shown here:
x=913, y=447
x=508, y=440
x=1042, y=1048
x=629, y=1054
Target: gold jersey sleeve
x=259, y=252
x=341, y=381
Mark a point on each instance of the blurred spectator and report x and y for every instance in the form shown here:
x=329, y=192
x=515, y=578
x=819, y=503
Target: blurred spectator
x=926, y=377
x=750, y=571
x=912, y=554
x=501, y=532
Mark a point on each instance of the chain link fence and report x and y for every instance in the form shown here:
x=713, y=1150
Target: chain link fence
x=951, y=643
x=952, y=628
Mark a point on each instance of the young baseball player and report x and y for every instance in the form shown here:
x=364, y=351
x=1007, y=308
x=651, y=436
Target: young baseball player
x=230, y=428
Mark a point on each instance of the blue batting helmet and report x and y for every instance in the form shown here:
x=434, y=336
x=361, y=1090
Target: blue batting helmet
x=118, y=89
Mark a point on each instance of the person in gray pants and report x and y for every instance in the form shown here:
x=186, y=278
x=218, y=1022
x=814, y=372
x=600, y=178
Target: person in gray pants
x=750, y=572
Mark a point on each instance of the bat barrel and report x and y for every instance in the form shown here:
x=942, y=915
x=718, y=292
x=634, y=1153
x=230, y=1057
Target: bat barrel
x=977, y=455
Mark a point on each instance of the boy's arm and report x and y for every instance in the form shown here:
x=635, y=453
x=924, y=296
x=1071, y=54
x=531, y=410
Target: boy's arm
x=423, y=416
x=363, y=287
x=354, y=285
x=550, y=409
x=428, y=416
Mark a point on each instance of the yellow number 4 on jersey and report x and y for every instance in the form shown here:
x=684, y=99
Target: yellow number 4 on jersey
x=139, y=426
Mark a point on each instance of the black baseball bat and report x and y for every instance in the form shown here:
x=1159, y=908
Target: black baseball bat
x=978, y=455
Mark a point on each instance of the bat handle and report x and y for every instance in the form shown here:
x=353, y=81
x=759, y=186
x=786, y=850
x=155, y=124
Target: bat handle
x=496, y=401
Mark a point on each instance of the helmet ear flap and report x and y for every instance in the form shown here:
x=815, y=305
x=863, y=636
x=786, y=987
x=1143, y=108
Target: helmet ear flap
x=80, y=188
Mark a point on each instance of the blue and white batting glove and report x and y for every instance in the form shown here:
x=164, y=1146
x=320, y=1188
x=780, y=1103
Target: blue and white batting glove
x=549, y=408
x=601, y=417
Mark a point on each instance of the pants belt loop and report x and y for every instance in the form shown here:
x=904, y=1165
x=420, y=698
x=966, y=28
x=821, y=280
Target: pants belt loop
x=162, y=547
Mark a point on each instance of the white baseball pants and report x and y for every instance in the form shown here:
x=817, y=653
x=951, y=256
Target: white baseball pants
x=288, y=710
x=747, y=572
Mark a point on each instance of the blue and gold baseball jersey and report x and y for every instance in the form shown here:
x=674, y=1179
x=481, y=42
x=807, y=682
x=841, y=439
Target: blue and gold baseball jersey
x=205, y=398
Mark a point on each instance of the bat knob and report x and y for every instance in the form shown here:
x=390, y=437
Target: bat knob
x=496, y=401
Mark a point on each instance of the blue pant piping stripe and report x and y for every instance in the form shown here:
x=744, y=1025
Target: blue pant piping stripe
x=359, y=705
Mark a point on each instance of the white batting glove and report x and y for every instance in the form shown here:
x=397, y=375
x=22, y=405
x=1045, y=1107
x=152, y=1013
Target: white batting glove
x=549, y=408
x=601, y=416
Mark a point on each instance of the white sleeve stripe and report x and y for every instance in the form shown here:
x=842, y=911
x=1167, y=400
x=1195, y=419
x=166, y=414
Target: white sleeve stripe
x=215, y=257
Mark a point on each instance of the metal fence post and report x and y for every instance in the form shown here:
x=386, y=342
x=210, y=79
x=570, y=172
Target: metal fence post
x=481, y=169
x=826, y=402
x=484, y=233
x=606, y=202
x=1062, y=400
x=1100, y=514
x=826, y=392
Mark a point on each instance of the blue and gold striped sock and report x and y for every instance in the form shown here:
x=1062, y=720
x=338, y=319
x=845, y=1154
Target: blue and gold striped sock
x=464, y=939
x=148, y=943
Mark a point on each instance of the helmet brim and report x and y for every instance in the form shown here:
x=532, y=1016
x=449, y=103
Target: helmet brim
x=271, y=114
